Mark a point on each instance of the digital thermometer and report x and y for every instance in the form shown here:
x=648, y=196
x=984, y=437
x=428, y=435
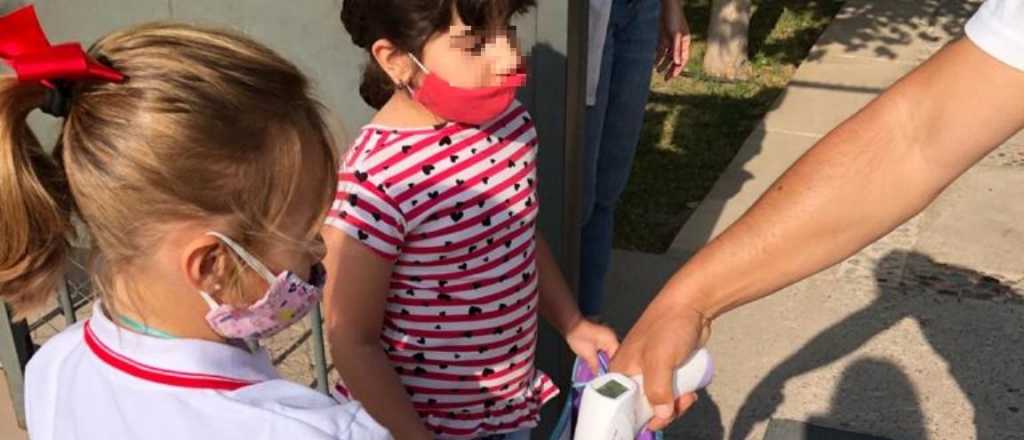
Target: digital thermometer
x=614, y=406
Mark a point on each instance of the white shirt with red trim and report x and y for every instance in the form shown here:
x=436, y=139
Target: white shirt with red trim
x=455, y=208
x=95, y=380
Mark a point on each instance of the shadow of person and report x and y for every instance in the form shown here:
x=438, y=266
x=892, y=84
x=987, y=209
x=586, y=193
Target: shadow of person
x=702, y=422
x=972, y=320
x=875, y=392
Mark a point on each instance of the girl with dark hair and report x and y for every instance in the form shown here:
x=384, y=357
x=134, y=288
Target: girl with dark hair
x=434, y=319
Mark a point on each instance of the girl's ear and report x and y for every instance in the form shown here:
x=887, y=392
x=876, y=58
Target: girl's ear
x=394, y=61
x=205, y=264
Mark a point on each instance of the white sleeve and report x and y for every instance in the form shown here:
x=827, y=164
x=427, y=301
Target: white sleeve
x=298, y=406
x=998, y=29
x=43, y=379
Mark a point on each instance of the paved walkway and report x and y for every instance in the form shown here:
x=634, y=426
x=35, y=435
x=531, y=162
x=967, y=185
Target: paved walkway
x=918, y=336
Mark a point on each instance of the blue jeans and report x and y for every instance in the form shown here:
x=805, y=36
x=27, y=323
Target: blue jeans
x=612, y=131
x=518, y=435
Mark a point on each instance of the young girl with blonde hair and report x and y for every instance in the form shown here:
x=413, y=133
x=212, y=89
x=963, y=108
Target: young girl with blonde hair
x=201, y=168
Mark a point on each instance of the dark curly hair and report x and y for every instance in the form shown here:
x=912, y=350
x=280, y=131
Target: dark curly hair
x=409, y=24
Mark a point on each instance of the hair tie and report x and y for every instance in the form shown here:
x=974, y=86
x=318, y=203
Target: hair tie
x=24, y=46
x=58, y=100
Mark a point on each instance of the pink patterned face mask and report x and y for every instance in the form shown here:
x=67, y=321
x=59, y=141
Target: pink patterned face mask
x=288, y=299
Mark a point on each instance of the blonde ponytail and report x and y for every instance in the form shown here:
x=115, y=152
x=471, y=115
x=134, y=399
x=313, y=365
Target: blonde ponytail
x=35, y=204
x=210, y=125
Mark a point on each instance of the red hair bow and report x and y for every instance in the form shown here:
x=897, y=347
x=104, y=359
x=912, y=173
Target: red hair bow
x=24, y=46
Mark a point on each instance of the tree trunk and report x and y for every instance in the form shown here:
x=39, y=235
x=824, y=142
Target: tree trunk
x=726, y=56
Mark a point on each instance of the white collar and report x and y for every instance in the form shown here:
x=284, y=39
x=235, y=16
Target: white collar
x=189, y=363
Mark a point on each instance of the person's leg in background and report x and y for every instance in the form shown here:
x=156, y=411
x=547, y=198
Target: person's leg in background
x=518, y=435
x=612, y=132
x=589, y=294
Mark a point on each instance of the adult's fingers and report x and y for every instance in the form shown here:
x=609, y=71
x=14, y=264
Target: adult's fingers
x=680, y=51
x=662, y=55
x=680, y=55
x=667, y=64
x=658, y=367
x=677, y=48
x=685, y=56
x=682, y=404
x=684, y=53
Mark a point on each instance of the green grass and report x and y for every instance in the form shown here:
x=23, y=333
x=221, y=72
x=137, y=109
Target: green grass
x=694, y=125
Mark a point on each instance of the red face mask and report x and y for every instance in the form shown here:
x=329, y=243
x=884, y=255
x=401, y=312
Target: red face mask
x=469, y=106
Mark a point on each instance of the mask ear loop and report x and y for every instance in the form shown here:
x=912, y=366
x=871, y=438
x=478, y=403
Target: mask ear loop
x=209, y=299
x=418, y=63
x=406, y=85
x=255, y=264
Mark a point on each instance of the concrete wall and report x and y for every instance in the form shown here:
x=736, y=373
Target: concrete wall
x=308, y=32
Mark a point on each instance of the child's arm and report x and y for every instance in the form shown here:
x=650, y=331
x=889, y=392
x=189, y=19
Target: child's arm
x=557, y=303
x=558, y=306
x=357, y=288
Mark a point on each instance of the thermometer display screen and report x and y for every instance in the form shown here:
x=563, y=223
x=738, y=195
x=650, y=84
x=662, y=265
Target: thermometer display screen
x=612, y=389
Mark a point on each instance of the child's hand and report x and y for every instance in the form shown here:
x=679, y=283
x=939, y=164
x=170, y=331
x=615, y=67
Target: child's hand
x=587, y=338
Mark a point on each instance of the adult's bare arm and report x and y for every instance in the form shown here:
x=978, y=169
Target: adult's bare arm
x=872, y=173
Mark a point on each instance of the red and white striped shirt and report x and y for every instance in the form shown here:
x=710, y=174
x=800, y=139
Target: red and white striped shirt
x=454, y=206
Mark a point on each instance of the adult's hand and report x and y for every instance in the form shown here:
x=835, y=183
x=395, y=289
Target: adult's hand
x=665, y=334
x=674, y=42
